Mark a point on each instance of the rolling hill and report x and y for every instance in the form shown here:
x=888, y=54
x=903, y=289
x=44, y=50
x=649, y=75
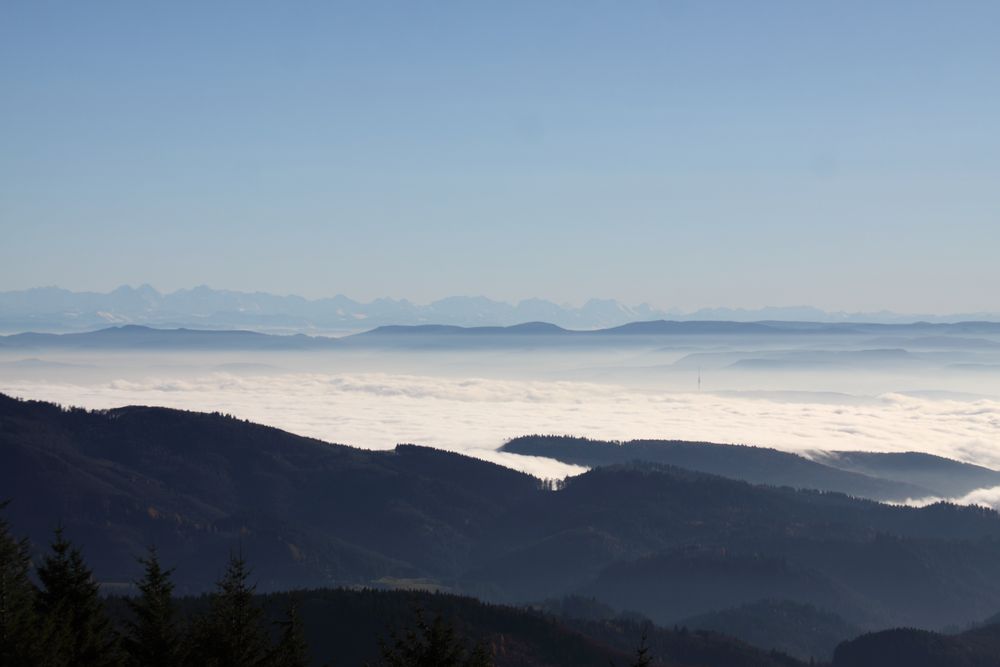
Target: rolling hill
x=661, y=540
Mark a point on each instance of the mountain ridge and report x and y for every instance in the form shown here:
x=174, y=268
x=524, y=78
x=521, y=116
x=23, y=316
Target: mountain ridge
x=536, y=332
x=55, y=309
x=310, y=513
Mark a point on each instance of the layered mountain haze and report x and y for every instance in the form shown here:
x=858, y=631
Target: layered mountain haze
x=52, y=309
x=804, y=388
x=664, y=541
x=778, y=482
x=511, y=334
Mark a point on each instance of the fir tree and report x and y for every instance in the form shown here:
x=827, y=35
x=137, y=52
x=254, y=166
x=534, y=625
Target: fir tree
x=292, y=650
x=153, y=637
x=18, y=621
x=77, y=628
x=232, y=634
x=432, y=644
x=642, y=656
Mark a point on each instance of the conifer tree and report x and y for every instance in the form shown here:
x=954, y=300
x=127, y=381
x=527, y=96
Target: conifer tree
x=153, y=637
x=642, y=656
x=292, y=650
x=18, y=622
x=78, y=631
x=232, y=634
x=434, y=644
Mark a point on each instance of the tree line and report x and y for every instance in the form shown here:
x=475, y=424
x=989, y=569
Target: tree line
x=62, y=621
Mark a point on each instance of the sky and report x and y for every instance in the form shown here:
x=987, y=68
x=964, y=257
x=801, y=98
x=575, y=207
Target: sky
x=844, y=155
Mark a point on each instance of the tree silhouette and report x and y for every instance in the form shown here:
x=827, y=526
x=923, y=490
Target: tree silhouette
x=642, y=656
x=18, y=620
x=292, y=650
x=434, y=644
x=153, y=638
x=78, y=631
x=231, y=635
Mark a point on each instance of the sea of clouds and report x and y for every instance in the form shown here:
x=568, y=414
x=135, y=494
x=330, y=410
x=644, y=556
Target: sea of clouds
x=477, y=415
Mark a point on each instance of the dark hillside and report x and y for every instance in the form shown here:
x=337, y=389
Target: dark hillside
x=840, y=472
x=197, y=484
x=644, y=537
x=920, y=648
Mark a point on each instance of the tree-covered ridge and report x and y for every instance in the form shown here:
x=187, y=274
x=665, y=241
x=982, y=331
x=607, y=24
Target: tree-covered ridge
x=921, y=648
x=887, y=476
x=801, y=630
x=62, y=622
x=667, y=542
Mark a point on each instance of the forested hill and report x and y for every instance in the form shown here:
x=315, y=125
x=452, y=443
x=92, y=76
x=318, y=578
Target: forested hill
x=884, y=476
x=344, y=627
x=196, y=484
x=979, y=647
x=136, y=337
x=664, y=541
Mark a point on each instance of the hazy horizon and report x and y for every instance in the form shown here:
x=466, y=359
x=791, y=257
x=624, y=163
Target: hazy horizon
x=400, y=297
x=690, y=309
x=668, y=153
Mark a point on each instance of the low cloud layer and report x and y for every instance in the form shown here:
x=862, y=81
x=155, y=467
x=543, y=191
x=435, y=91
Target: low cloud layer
x=475, y=416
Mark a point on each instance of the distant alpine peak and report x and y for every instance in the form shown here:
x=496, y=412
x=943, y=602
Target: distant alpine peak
x=55, y=309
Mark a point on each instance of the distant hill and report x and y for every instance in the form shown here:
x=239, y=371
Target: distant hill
x=800, y=630
x=197, y=484
x=944, y=477
x=58, y=310
x=824, y=359
x=344, y=627
x=132, y=337
x=660, y=540
x=53, y=309
x=700, y=328
x=527, y=328
x=759, y=465
x=920, y=648
x=529, y=334
x=623, y=533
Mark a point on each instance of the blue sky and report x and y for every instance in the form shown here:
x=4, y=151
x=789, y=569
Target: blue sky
x=688, y=154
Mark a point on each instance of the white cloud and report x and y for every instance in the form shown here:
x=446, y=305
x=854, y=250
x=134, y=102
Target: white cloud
x=475, y=416
x=986, y=496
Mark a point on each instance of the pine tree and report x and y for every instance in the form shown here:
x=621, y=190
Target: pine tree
x=19, y=639
x=153, y=637
x=292, y=650
x=77, y=628
x=642, y=656
x=232, y=634
x=432, y=644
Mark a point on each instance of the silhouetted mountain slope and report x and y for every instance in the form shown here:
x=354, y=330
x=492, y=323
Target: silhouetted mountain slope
x=528, y=328
x=921, y=648
x=681, y=646
x=133, y=337
x=675, y=586
x=664, y=328
x=759, y=465
x=309, y=513
x=344, y=627
x=869, y=551
x=671, y=327
x=800, y=630
x=943, y=477
x=196, y=484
